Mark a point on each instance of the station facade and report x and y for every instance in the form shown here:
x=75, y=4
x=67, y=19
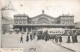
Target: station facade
x=25, y=23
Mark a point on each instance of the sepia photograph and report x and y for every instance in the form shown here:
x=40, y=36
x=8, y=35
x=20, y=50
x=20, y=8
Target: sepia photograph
x=40, y=25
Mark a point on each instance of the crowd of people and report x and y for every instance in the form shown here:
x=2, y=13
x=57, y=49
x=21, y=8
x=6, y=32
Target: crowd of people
x=28, y=37
x=45, y=36
x=74, y=38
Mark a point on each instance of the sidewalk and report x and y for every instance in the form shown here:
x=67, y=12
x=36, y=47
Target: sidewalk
x=73, y=46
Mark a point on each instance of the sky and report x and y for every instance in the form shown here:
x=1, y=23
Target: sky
x=52, y=8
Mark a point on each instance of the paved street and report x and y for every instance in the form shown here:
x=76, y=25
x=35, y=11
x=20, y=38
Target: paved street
x=13, y=41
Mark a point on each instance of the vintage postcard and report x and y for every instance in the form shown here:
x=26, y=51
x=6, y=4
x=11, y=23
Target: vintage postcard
x=40, y=25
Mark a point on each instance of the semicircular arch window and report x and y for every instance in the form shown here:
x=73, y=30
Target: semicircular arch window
x=43, y=21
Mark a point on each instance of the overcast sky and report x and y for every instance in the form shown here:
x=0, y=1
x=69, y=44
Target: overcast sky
x=52, y=8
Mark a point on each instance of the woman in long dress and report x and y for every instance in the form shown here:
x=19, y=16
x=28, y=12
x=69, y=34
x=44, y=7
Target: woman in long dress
x=75, y=38
x=68, y=41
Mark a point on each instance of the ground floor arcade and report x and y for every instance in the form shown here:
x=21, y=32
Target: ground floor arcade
x=37, y=27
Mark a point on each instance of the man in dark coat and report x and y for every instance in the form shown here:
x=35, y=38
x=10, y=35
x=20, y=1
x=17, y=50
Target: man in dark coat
x=27, y=38
x=21, y=39
x=31, y=37
x=60, y=39
x=53, y=37
x=37, y=37
x=75, y=38
x=46, y=37
x=56, y=38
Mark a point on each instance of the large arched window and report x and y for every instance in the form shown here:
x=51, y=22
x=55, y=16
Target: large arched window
x=43, y=21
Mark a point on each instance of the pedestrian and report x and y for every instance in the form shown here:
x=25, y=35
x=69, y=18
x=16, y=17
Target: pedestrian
x=21, y=39
x=75, y=38
x=31, y=37
x=34, y=35
x=27, y=38
x=53, y=37
x=68, y=41
x=60, y=39
x=37, y=37
x=46, y=38
x=56, y=39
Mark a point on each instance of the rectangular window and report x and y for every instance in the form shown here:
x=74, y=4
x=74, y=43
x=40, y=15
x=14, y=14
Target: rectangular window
x=24, y=22
x=16, y=22
x=20, y=21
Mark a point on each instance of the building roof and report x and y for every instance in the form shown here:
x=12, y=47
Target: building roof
x=43, y=15
x=20, y=15
x=66, y=15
